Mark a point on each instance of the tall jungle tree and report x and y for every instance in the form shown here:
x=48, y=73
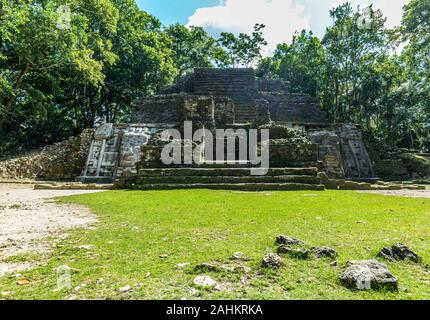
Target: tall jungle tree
x=193, y=48
x=244, y=50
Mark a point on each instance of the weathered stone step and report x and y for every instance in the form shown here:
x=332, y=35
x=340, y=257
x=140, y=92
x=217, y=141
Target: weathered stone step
x=228, y=179
x=220, y=80
x=245, y=110
x=72, y=186
x=273, y=164
x=239, y=187
x=244, y=113
x=223, y=172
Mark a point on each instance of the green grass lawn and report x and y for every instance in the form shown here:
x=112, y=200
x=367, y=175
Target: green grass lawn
x=136, y=228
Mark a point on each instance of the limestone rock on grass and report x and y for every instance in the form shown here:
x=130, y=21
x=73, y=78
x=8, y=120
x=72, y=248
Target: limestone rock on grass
x=241, y=269
x=325, y=252
x=299, y=253
x=282, y=239
x=125, y=289
x=368, y=274
x=399, y=252
x=86, y=247
x=239, y=256
x=272, y=261
x=182, y=265
x=219, y=267
x=205, y=282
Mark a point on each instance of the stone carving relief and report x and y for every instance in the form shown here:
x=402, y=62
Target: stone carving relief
x=115, y=151
x=357, y=162
x=105, y=131
x=329, y=152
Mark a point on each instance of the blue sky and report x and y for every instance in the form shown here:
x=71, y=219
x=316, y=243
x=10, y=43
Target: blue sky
x=282, y=17
x=172, y=11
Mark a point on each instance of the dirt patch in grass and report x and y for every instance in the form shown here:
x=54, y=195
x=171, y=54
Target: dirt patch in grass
x=30, y=220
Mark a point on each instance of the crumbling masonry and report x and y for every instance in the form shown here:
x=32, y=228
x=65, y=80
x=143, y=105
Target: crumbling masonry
x=303, y=142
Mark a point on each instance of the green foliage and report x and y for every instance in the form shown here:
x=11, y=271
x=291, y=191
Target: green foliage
x=193, y=48
x=145, y=62
x=243, y=50
x=297, y=64
x=416, y=164
x=351, y=53
x=415, y=31
x=55, y=81
x=359, y=78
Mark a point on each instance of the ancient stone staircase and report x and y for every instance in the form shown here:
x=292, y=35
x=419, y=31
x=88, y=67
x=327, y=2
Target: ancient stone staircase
x=230, y=178
x=244, y=112
x=239, y=84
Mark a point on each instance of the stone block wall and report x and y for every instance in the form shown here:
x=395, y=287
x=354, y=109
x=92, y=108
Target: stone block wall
x=288, y=148
x=224, y=111
x=285, y=154
x=199, y=110
x=159, y=109
x=271, y=85
x=403, y=166
x=238, y=84
x=249, y=96
x=288, y=107
x=184, y=84
x=177, y=108
x=61, y=161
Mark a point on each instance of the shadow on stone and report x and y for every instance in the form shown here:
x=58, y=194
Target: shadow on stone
x=399, y=252
x=367, y=275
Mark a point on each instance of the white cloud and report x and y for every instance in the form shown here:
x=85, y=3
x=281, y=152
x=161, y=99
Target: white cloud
x=392, y=9
x=281, y=17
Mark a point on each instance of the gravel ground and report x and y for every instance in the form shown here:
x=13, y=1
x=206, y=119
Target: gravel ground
x=403, y=193
x=28, y=217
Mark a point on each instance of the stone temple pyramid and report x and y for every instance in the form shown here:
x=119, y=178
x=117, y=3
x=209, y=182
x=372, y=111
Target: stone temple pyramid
x=305, y=146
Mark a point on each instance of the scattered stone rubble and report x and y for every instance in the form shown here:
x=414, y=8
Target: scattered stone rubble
x=219, y=267
x=282, y=239
x=204, y=282
x=295, y=249
x=368, y=274
x=399, y=252
x=324, y=252
x=272, y=261
x=358, y=274
x=299, y=253
x=240, y=256
x=61, y=161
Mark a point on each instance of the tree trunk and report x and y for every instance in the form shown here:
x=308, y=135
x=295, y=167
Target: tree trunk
x=11, y=100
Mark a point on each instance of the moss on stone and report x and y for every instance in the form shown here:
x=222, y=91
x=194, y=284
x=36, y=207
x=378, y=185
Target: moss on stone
x=291, y=135
x=416, y=164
